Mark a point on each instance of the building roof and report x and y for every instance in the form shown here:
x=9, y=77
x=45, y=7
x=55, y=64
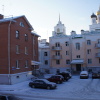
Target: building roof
x=13, y=19
x=34, y=33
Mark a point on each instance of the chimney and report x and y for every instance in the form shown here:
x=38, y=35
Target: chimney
x=1, y=16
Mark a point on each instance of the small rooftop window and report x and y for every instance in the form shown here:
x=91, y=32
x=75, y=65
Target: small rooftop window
x=21, y=24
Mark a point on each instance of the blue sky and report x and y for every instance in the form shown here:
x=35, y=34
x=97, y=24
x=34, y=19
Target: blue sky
x=44, y=14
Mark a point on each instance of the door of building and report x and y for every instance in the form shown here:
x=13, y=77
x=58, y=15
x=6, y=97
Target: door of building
x=78, y=67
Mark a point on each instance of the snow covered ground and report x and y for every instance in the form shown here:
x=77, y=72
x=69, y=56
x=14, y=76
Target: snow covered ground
x=74, y=89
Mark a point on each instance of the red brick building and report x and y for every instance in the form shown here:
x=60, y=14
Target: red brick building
x=18, y=49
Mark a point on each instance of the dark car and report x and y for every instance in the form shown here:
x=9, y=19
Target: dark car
x=66, y=75
x=95, y=75
x=9, y=97
x=56, y=78
x=42, y=83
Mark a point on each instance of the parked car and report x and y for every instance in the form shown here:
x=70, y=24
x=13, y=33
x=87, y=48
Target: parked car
x=9, y=97
x=34, y=78
x=66, y=75
x=95, y=75
x=56, y=78
x=84, y=75
x=42, y=83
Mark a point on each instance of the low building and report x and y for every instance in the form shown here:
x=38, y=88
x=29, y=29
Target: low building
x=44, y=56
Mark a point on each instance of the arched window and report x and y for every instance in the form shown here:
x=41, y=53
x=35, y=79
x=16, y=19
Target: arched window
x=17, y=34
x=58, y=30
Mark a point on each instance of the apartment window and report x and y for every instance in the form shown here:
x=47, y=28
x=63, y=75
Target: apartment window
x=17, y=49
x=88, y=51
x=88, y=42
x=26, y=37
x=17, y=34
x=67, y=52
x=26, y=50
x=98, y=41
x=67, y=43
x=17, y=63
x=89, y=61
x=45, y=54
x=57, y=53
x=21, y=24
x=26, y=63
x=99, y=60
x=78, y=56
x=67, y=61
x=57, y=44
x=77, y=46
x=57, y=61
x=46, y=62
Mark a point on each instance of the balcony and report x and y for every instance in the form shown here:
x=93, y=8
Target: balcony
x=57, y=56
x=56, y=48
x=97, y=45
x=98, y=54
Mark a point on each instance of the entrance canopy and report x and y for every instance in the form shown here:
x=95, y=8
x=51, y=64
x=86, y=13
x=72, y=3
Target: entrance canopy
x=35, y=63
x=77, y=61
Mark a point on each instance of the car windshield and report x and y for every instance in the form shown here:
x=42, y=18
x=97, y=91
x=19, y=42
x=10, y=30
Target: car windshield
x=46, y=81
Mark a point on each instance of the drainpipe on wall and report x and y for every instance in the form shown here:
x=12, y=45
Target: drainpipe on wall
x=71, y=53
x=9, y=76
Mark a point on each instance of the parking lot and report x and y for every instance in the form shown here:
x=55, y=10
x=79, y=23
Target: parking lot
x=74, y=88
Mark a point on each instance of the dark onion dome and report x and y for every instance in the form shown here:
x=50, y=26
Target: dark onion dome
x=93, y=16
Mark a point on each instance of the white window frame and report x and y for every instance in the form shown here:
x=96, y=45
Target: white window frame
x=26, y=50
x=17, y=64
x=26, y=64
x=17, y=49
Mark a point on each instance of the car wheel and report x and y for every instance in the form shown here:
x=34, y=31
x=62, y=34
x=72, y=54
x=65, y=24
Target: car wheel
x=33, y=86
x=48, y=87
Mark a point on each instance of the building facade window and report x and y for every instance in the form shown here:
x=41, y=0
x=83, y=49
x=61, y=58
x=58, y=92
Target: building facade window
x=98, y=41
x=17, y=49
x=45, y=53
x=99, y=60
x=26, y=37
x=57, y=61
x=26, y=50
x=57, y=53
x=17, y=64
x=17, y=34
x=78, y=56
x=67, y=52
x=26, y=63
x=67, y=43
x=57, y=44
x=67, y=61
x=89, y=61
x=88, y=51
x=77, y=46
x=58, y=30
x=21, y=24
x=88, y=42
x=46, y=62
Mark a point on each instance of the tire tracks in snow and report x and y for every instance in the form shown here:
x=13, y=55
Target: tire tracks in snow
x=91, y=88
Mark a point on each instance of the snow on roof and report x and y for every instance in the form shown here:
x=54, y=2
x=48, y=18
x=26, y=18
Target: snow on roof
x=34, y=33
x=13, y=19
x=77, y=61
x=10, y=18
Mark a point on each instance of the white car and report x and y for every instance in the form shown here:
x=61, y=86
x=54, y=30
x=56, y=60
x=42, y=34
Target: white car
x=84, y=74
